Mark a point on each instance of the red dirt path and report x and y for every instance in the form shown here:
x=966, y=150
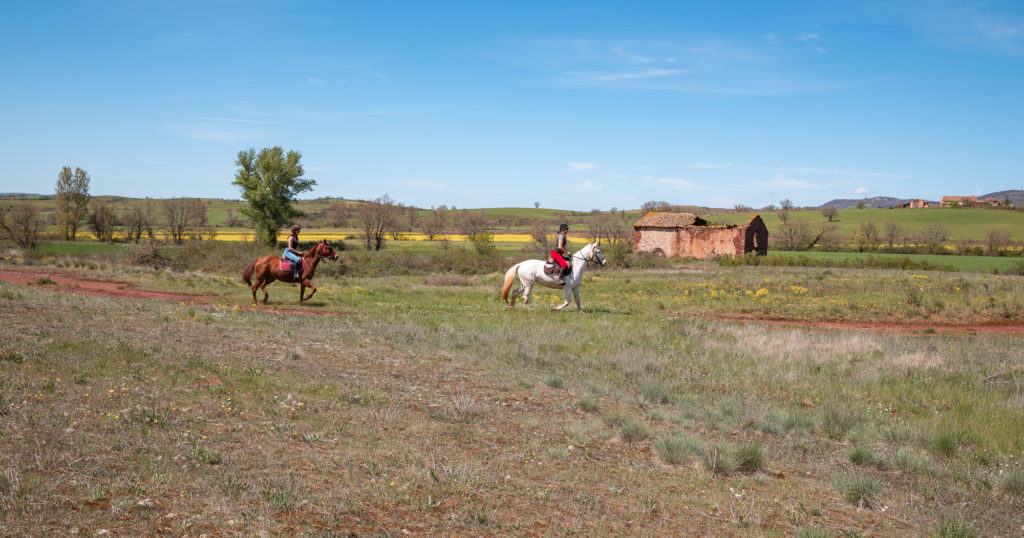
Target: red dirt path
x=67, y=282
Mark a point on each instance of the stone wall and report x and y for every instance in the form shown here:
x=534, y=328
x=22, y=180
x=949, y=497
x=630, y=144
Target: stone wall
x=696, y=241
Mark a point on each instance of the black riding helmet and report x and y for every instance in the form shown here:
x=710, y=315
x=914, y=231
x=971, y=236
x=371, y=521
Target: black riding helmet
x=563, y=227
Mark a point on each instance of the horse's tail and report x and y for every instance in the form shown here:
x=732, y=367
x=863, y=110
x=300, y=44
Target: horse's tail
x=247, y=274
x=510, y=276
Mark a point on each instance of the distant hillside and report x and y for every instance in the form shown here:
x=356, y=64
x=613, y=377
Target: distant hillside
x=1016, y=198
x=22, y=195
x=882, y=202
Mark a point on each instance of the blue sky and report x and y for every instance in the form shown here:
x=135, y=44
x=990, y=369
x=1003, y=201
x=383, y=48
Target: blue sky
x=574, y=105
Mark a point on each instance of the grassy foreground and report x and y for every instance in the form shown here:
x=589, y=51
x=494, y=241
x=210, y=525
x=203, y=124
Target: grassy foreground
x=424, y=407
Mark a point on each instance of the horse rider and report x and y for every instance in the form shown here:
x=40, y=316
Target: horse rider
x=561, y=251
x=292, y=252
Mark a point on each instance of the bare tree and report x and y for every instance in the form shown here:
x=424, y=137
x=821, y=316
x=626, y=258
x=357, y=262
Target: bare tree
x=177, y=216
x=399, y=222
x=435, y=222
x=893, y=229
x=338, y=214
x=795, y=234
x=654, y=205
x=829, y=212
x=137, y=221
x=102, y=219
x=477, y=229
x=997, y=242
x=786, y=204
x=933, y=236
x=867, y=237
x=740, y=208
x=376, y=218
x=830, y=239
x=539, y=234
x=231, y=221
x=536, y=205
x=20, y=224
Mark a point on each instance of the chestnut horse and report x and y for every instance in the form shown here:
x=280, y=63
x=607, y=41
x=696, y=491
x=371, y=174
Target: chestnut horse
x=268, y=269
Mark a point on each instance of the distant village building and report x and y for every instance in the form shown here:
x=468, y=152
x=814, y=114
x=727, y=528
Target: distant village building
x=686, y=234
x=962, y=201
x=916, y=203
x=969, y=201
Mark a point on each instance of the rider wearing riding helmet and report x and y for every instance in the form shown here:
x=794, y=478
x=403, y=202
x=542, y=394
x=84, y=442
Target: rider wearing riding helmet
x=561, y=251
x=292, y=252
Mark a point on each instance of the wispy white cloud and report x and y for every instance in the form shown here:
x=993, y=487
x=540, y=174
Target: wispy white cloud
x=992, y=27
x=858, y=190
x=805, y=170
x=782, y=181
x=314, y=80
x=735, y=66
x=677, y=183
x=228, y=120
x=228, y=130
x=424, y=184
x=587, y=186
x=580, y=166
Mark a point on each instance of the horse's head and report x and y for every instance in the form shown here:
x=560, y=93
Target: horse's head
x=324, y=250
x=595, y=254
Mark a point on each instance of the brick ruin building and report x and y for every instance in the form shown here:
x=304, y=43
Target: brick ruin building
x=686, y=234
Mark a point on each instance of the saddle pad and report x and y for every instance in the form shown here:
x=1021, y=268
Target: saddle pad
x=286, y=265
x=550, y=268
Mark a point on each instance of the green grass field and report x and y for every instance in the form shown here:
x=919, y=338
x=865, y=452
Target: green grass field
x=960, y=263
x=973, y=224
x=418, y=403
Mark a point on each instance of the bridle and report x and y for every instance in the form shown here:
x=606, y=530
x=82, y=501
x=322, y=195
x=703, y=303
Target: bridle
x=321, y=250
x=588, y=261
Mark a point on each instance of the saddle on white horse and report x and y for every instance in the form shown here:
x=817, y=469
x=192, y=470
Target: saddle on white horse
x=552, y=268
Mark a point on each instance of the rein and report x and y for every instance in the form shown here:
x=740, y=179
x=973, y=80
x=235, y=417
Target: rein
x=588, y=261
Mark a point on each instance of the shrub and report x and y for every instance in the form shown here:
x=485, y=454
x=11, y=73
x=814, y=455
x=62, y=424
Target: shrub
x=589, y=403
x=861, y=455
x=861, y=490
x=945, y=444
x=725, y=458
x=911, y=462
x=836, y=422
x=1011, y=482
x=633, y=431
x=953, y=527
x=674, y=450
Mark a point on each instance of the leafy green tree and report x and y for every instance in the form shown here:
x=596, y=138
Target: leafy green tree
x=270, y=181
x=72, y=200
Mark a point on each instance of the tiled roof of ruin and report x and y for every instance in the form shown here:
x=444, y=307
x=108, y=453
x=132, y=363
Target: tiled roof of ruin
x=670, y=220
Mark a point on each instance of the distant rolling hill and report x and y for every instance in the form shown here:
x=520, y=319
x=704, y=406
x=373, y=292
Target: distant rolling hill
x=1016, y=198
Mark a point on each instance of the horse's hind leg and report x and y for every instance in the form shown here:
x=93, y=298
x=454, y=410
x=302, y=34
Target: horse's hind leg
x=515, y=295
x=527, y=289
x=263, y=288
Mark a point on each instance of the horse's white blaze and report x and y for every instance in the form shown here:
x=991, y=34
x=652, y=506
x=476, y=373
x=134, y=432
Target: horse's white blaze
x=531, y=272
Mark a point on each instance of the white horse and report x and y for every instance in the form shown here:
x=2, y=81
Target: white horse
x=532, y=272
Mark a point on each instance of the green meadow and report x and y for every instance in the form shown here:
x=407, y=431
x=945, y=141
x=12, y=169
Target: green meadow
x=417, y=404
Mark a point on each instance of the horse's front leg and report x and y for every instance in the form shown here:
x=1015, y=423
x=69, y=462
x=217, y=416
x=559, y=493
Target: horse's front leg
x=576, y=295
x=565, y=303
x=312, y=288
